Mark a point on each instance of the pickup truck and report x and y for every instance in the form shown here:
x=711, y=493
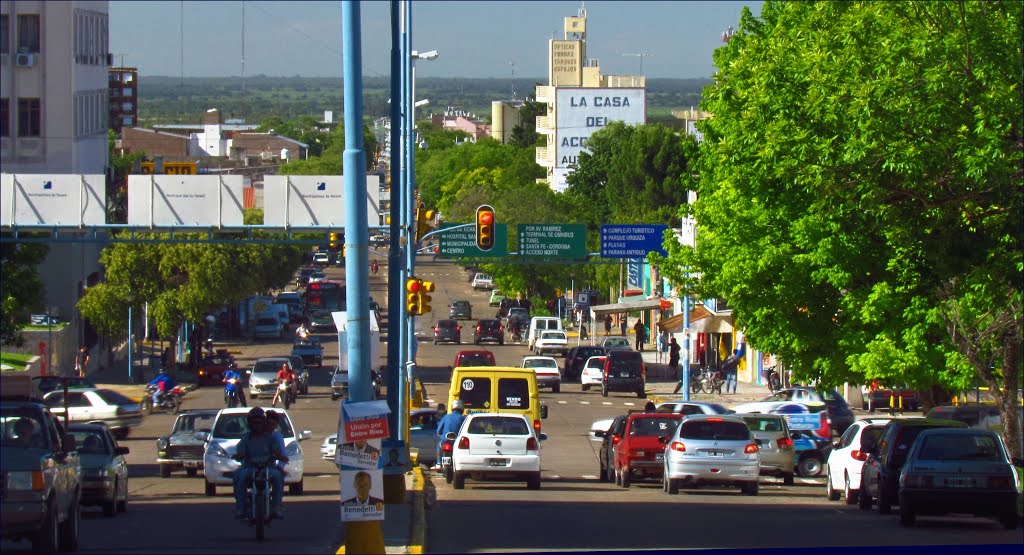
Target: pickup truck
x=42, y=477
x=311, y=351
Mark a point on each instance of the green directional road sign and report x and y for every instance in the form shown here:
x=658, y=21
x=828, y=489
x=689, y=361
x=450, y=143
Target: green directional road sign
x=553, y=240
x=461, y=243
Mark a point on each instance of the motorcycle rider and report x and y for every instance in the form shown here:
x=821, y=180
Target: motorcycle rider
x=232, y=382
x=517, y=329
x=273, y=425
x=450, y=422
x=373, y=267
x=284, y=375
x=164, y=383
x=257, y=446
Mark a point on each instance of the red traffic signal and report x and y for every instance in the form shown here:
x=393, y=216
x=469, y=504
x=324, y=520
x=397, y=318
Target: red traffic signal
x=485, y=227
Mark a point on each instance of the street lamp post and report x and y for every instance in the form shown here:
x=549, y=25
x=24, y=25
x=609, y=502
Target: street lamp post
x=130, y=299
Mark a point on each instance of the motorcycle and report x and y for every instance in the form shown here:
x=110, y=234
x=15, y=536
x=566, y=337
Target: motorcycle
x=286, y=393
x=373, y=268
x=231, y=399
x=517, y=334
x=257, y=506
x=772, y=375
x=447, y=469
x=170, y=401
x=709, y=381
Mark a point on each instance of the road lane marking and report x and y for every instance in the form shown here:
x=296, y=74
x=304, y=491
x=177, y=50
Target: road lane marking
x=606, y=403
x=629, y=404
x=584, y=402
x=589, y=477
x=563, y=402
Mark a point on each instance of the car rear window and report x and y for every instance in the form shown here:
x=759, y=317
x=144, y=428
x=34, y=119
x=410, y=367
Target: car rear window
x=475, y=393
x=618, y=363
x=476, y=359
x=114, y=398
x=552, y=335
x=461, y=304
x=959, y=447
x=653, y=426
x=489, y=325
x=763, y=423
x=513, y=393
x=869, y=437
x=499, y=425
x=712, y=429
x=446, y=324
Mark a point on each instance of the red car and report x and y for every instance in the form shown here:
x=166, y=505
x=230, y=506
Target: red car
x=641, y=451
x=475, y=358
x=211, y=369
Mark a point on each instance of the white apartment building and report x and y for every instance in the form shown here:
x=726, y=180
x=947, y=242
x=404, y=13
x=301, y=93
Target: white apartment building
x=54, y=115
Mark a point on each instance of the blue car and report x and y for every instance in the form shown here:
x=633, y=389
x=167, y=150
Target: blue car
x=311, y=351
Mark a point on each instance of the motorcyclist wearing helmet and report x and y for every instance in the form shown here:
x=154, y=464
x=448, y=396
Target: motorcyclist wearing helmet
x=285, y=374
x=164, y=383
x=233, y=382
x=258, y=446
x=450, y=422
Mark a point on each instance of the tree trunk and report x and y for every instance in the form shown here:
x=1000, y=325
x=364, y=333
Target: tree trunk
x=934, y=396
x=1008, y=397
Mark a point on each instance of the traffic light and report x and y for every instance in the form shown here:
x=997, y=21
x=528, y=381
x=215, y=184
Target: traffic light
x=334, y=240
x=485, y=227
x=423, y=219
x=425, y=287
x=412, y=296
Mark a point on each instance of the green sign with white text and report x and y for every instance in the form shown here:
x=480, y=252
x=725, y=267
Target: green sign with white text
x=461, y=243
x=553, y=240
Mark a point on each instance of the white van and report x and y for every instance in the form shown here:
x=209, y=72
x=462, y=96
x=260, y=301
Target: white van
x=542, y=323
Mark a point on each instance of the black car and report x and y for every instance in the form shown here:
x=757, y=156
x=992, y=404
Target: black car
x=180, y=450
x=971, y=415
x=577, y=357
x=447, y=331
x=303, y=278
x=460, y=310
x=489, y=329
x=608, y=441
x=310, y=350
x=624, y=371
x=879, y=478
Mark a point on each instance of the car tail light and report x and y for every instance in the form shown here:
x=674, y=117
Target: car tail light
x=859, y=455
x=536, y=426
x=478, y=327
x=448, y=446
x=437, y=329
x=750, y=448
x=785, y=443
x=918, y=481
x=464, y=443
x=677, y=446
x=825, y=430
x=714, y=419
x=458, y=328
x=999, y=482
x=531, y=444
x=616, y=440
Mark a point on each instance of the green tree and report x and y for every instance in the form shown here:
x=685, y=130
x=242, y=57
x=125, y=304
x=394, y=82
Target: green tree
x=525, y=134
x=860, y=192
x=305, y=129
x=330, y=162
x=22, y=290
x=121, y=166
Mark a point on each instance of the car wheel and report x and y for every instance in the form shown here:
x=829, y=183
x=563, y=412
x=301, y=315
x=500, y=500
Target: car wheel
x=586, y=387
x=191, y=472
x=809, y=466
x=640, y=393
x=750, y=488
x=110, y=507
x=849, y=494
x=602, y=476
x=501, y=342
x=788, y=478
x=831, y=492
x=618, y=477
x=533, y=481
x=46, y=540
x=864, y=497
x=67, y=533
x=165, y=471
x=459, y=481
x=556, y=388
x=884, y=507
x=604, y=390
x=211, y=489
x=435, y=342
x=295, y=489
x=627, y=478
x=122, y=505
x=1010, y=520
x=907, y=516
x=121, y=433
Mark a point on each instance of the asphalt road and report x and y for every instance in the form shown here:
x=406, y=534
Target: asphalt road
x=572, y=511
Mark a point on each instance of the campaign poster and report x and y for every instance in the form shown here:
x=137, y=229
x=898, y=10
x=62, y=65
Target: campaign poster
x=362, y=495
x=359, y=454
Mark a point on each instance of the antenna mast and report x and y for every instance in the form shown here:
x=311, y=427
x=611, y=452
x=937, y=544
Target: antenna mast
x=641, y=55
x=243, y=46
x=513, y=64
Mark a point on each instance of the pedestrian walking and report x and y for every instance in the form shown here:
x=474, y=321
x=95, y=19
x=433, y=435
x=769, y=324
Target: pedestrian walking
x=729, y=369
x=583, y=332
x=673, y=361
x=639, y=329
x=607, y=324
x=662, y=346
x=82, y=361
x=622, y=325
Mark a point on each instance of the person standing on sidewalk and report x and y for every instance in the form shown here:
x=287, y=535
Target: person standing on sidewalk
x=729, y=369
x=82, y=361
x=662, y=346
x=639, y=330
x=622, y=325
x=607, y=324
x=673, y=362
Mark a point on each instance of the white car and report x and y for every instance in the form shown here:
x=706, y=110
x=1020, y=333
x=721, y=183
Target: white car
x=422, y=436
x=221, y=442
x=321, y=258
x=106, y=406
x=500, y=446
x=593, y=374
x=546, y=368
x=711, y=449
x=483, y=281
x=551, y=342
x=847, y=459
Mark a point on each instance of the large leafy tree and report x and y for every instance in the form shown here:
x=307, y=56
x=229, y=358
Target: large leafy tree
x=305, y=129
x=860, y=192
x=329, y=161
x=22, y=290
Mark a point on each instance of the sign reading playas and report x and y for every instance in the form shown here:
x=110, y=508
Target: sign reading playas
x=580, y=112
x=632, y=240
x=313, y=200
x=185, y=200
x=53, y=200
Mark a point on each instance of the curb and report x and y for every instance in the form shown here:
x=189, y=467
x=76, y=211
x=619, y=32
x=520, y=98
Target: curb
x=418, y=532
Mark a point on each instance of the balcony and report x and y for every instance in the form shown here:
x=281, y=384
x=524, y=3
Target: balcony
x=543, y=157
x=546, y=94
x=545, y=124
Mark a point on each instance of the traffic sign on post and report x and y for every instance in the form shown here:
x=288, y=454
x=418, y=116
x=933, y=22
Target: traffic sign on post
x=461, y=243
x=553, y=240
x=632, y=240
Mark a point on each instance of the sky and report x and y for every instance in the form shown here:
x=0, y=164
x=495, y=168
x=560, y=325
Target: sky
x=474, y=39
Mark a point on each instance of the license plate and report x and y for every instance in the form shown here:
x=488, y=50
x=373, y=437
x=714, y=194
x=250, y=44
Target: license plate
x=191, y=464
x=959, y=482
x=497, y=462
x=446, y=461
x=623, y=374
x=659, y=456
x=715, y=453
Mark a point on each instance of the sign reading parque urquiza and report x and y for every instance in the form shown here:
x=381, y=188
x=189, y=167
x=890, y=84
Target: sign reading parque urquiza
x=632, y=240
x=461, y=243
x=53, y=199
x=553, y=240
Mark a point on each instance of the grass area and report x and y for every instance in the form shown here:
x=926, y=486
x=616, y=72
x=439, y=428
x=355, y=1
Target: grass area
x=18, y=361
x=55, y=327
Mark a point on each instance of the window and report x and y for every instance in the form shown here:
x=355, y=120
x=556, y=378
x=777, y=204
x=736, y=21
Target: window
x=28, y=33
x=5, y=40
x=513, y=393
x=5, y=117
x=28, y=117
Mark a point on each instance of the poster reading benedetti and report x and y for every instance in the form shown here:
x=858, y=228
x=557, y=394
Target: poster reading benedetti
x=362, y=495
x=359, y=454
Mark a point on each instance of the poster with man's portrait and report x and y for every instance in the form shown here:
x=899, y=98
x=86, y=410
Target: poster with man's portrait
x=362, y=495
x=361, y=454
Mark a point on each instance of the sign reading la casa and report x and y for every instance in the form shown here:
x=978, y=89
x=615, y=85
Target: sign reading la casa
x=580, y=112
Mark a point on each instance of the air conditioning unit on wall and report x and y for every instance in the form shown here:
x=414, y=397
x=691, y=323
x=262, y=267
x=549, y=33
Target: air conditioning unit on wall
x=25, y=59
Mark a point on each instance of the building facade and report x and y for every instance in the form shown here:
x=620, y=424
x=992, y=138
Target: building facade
x=124, y=98
x=54, y=117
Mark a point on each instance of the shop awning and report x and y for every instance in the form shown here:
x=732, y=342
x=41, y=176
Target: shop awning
x=647, y=304
x=674, y=324
x=713, y=324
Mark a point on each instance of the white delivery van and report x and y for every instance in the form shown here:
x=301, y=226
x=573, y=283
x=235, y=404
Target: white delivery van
x=539, y=324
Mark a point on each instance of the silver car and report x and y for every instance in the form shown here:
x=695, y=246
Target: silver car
x=774, y=444
x=711, y=450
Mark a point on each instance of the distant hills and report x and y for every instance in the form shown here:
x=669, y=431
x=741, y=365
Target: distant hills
x=176, y=100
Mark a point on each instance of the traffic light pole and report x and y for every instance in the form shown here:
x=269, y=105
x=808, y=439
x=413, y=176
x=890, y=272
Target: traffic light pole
x=409, y=198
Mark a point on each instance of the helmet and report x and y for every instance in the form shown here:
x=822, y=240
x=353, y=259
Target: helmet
x=458, y=405
x=255, y=415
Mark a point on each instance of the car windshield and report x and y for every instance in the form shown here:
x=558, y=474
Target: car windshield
x=194, y=423
x=22, y=428
x=267, y=366
x=540, y=363
x=218, y=360
x=763, y=423
x=960, y=447
x=653, y=426
x=114, y=398
x=266, y=322
x=234, y=426
x=91, y=442
x=714, y=429
x=786, y=395
x=499, y=425
x=615, y=341
x=552, y=335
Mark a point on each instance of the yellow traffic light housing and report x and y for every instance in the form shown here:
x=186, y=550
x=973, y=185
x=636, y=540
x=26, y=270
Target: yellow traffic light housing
x=334, y=240
x=425, y=287
x=423, y=219
x=413, y=286
x=485, y=227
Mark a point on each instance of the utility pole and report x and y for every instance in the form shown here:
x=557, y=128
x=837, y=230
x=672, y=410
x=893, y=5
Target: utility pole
x=513, y=64
x=641, y=55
